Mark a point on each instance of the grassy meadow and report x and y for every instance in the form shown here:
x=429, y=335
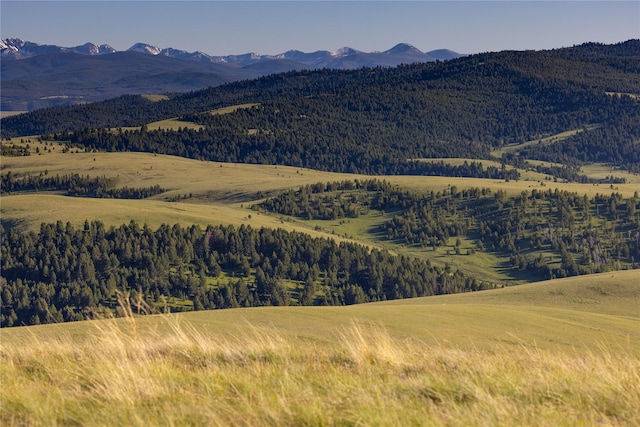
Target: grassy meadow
x=514, y=356
x=175, y=123
x=562, y=352
x=194, y=182
x=10, y=113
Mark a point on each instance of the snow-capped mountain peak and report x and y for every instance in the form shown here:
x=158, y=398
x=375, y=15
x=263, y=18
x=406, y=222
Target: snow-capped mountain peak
x=344, y=57
x=344, y=51
x=403, y=48
x=92, y=49
x=145, y=48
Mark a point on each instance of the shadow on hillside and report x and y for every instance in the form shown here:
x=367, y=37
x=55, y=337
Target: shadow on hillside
x=514, y=274
x=12, y=224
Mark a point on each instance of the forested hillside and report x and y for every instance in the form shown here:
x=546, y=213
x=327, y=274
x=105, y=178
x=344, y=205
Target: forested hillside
x=373, y=120
x=63, y=274
x=546, y=234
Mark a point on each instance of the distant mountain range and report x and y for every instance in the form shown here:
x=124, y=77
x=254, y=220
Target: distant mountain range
x=342, y=58
x=39, y=76
x=21, y=49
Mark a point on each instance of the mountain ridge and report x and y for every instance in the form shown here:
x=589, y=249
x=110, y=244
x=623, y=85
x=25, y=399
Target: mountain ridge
x=15, y=48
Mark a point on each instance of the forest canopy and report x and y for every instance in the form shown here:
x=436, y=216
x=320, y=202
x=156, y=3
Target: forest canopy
x=63, y=273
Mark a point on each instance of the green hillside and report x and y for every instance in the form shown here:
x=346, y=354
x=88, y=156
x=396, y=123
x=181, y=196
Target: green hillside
x=544, y=233
x=361, y=230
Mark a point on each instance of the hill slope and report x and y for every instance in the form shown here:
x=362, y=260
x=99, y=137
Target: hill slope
x=435, y=361
x=563, y=352
x=217, y=193
x=592, y=310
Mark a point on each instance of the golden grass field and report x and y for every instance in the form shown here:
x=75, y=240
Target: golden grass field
x=175, y=123
x=155, y=97
x=10, y=113
x=557, y=353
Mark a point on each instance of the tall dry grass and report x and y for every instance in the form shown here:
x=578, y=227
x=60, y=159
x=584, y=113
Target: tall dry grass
x=179, y=375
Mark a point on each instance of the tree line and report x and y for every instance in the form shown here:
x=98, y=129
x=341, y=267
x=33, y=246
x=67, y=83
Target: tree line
x=74, y=185
x=63, y=273
x=616, y=142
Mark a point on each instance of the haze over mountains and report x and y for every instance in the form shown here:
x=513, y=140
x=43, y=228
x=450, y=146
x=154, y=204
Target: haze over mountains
x=39, y=76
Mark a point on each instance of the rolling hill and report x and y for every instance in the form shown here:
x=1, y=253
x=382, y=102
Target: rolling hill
x=210, y=193
x=515, y=224
x=510, y=356
x=592, y=309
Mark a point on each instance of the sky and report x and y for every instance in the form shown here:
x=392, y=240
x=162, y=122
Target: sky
x=271, y=27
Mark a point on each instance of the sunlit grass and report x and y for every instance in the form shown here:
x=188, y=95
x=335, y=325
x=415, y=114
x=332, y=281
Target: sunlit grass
x=173, y=124
x=203, y=193
x=176, y=374
x=563, y=352
x=602, y=171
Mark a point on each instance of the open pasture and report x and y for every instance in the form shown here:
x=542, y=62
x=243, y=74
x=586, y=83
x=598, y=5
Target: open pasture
x=27, y=212
x=155, y=97
x=172, y=124
x=203, y=193
x=10, y=113
x=223, y=179
x=601, y=171
x=575, y=312
x=175, y=123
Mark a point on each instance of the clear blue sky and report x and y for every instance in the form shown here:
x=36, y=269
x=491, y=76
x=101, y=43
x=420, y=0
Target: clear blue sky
x=270, y=27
